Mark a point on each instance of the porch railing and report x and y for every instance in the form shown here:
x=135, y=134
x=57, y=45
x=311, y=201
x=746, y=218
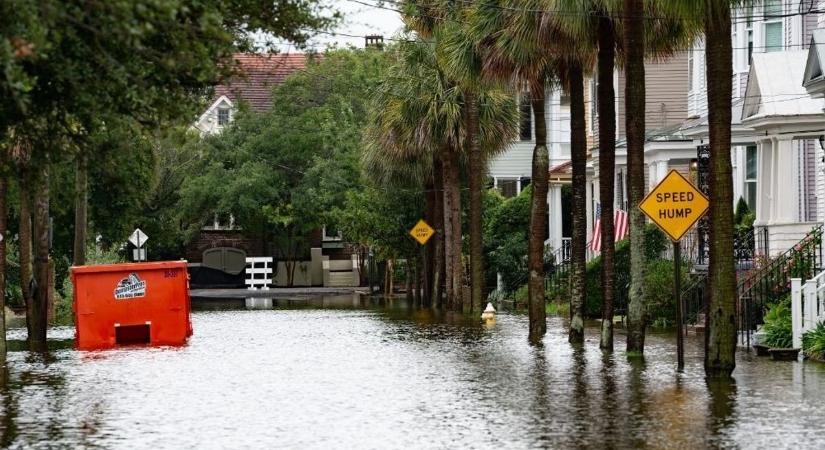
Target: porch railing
x=807, y=306
x=770, y=281
x=767, y=281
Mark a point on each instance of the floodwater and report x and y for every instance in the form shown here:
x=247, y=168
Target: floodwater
x=345, y=373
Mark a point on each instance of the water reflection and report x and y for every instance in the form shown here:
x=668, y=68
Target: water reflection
x=347, y=372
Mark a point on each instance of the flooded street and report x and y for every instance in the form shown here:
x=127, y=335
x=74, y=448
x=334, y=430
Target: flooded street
x=343, y=374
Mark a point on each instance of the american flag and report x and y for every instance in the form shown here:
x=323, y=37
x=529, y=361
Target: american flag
x=620, y=229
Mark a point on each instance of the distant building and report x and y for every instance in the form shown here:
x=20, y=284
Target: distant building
x=257, y=75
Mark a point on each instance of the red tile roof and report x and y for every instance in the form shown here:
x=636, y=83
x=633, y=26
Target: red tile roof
x=258, y=74
x=562, y=168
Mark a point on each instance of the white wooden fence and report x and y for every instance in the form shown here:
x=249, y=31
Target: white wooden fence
x=807, y=306
x=258, y=273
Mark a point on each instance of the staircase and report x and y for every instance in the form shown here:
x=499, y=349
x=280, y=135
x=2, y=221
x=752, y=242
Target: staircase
x=771, y=281
x=757, y=287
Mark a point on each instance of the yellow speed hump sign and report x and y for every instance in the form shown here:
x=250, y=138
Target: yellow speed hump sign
x=422, y=232
x=675, y=204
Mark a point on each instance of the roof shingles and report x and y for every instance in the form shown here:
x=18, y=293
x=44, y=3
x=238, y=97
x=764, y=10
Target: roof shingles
x=257, y=75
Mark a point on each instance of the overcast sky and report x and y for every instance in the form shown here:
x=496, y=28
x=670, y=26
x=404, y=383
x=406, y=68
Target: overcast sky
x=360, y=20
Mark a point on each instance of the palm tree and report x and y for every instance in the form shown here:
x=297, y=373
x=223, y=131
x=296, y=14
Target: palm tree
x=4, y=190
x=81, y=207
x=459, y=54
x=634, y=47
x=578, y=241
x=421, y=116
x=653, y=38
x=720, y=337
x=607, y=159
x=513, y=50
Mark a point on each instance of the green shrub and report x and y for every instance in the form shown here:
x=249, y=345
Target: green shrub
x=520, y=295
x=505, y=238
x=813, y=342
x=777, y=327
x=661, y=306
x=655, y=244
x=742, y=210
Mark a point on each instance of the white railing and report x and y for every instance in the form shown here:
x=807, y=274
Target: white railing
x=807, y=306
x=258, y=273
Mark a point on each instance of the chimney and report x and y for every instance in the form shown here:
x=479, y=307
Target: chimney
x=375, y=41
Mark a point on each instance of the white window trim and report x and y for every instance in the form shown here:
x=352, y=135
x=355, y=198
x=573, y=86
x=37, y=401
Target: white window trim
x=325, y=237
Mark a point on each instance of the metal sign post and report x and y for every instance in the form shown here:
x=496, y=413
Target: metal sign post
x=675, y=205
x=677, y=294
x=138, y=239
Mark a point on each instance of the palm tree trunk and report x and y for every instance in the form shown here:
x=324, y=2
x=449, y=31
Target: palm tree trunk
x=25, y=248
x=40, y=223
x=4, y=190
x=438, y=238
x=578, y=156
x=635, y=130
x=427, y=252
x=476, y=181
x=720, y=338
x=607, y=157
x=80, y=207
x=538, y=221
x=452, y=229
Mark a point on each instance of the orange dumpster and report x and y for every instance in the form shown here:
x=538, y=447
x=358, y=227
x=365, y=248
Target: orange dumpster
x=133, y=303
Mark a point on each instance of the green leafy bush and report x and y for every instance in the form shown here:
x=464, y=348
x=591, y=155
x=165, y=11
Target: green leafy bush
x=505, y=238
x=661, y=306
x=813, y=342
x=777, y=327
x=655, y=244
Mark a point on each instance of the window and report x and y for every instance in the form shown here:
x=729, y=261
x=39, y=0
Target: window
x=508, y=188
x=772, y=11
x=526, y=113
x=750, y=176
x=223, y=116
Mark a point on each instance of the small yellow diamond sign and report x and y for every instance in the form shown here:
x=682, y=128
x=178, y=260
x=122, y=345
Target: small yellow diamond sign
x=675, y=204
x=422, y=232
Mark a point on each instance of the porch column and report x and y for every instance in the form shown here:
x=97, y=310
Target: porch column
x=652, y=174
x=554, y=216
x=764, y=194
x=786, y=185
x=518, y=185
x=661, y=170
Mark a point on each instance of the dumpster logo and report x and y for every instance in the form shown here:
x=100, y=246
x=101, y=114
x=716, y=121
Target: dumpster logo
x=130, y=287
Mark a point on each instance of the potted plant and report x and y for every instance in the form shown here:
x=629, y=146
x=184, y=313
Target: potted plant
x=779, y=331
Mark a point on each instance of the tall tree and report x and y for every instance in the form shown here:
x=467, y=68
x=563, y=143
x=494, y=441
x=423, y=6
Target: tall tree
x=634, y=48
x=4, y=208
x=422, y=113
x=89, y=63
x=607, y=157
x=460, y=56
x=720, y=337
x=515, y=48
x=715, y=19
x=578, y=157
x=81, y=203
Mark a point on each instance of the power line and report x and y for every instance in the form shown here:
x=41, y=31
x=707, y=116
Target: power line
x=573, y=13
